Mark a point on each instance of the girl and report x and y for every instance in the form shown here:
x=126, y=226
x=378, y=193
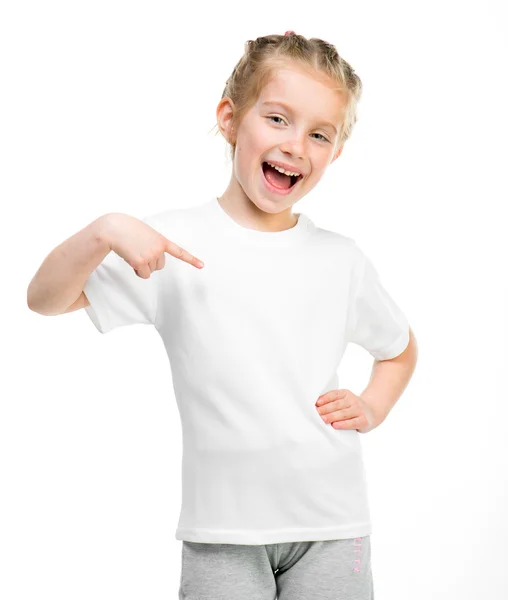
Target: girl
x=274, y=500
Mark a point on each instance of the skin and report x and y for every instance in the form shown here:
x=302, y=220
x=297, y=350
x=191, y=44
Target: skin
x=293, y=138
x=343, y=409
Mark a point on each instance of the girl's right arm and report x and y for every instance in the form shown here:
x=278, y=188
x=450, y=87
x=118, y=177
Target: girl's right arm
x=57, y=286
x=59, y=281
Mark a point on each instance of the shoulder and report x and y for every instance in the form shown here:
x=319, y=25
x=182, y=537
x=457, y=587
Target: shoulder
x=171, y=215
x=339, y=242
x=175, y=222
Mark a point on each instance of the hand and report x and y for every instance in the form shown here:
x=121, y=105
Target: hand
x=141, y=246
x=345, y=410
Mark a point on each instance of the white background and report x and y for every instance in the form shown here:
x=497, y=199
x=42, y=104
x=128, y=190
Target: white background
x=108, y=106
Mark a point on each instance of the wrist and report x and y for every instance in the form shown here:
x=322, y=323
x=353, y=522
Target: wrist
x=376, y=410
x=103, y=228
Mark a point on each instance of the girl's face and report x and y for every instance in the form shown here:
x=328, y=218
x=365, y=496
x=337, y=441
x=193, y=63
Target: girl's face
x=296, y=121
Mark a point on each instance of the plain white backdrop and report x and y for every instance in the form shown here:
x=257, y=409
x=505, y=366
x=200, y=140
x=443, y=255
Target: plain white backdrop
x=108, y=106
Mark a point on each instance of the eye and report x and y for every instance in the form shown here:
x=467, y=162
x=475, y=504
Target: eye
x=275, y=118
x=324, y=139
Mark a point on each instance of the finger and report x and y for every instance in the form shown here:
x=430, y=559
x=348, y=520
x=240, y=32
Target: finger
x=348, y=423
x=180, y=253
x=329, y=407
x=161, y=262
x=333, y=405
x=143, y=271
x=331, y=396
x=339, y=415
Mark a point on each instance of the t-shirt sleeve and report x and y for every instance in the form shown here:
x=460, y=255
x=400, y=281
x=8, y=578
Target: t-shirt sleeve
x=117, y=296
x=378, y=323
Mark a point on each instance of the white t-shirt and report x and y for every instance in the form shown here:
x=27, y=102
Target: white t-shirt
x=253, y=339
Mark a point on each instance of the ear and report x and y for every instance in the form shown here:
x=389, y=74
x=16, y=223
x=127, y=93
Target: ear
x=338, y=152
x=224, y=112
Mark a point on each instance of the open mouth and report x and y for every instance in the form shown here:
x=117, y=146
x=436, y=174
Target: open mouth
x=279, y=180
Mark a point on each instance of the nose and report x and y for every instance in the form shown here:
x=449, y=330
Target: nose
x=294, y=147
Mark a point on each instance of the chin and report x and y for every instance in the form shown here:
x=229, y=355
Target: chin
x=265, y=206
x=273, y=207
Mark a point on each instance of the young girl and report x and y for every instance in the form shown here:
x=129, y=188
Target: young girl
x=274, y=500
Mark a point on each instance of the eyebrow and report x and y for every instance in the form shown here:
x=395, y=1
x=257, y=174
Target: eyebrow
x=289, y=109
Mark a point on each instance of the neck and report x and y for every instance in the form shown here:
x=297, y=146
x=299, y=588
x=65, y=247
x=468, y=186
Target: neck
x=242, y=209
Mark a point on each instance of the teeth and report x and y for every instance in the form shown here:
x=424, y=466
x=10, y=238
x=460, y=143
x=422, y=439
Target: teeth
x=283, y=170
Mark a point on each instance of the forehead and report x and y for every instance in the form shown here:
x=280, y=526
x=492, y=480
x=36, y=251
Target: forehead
x=307, y=92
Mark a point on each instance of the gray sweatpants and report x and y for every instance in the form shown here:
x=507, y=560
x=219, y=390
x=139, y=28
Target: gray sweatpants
x=319, y=570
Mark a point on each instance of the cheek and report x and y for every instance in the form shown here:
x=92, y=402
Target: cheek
x=260, y=137
x=250, y=145
x=247, y=163
x=249, y=154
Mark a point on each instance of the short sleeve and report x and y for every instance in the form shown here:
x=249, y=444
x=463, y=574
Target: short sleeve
x=378, y=323
x=117, y=296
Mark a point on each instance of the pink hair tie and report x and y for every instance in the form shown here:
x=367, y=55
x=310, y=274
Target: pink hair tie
x=288, y=32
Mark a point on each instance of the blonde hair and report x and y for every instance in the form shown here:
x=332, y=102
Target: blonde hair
x=264, y=55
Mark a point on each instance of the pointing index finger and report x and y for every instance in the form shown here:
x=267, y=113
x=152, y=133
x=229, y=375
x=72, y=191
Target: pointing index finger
x=178, y=252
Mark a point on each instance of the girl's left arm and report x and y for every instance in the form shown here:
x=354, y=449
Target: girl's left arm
x=389, y=379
